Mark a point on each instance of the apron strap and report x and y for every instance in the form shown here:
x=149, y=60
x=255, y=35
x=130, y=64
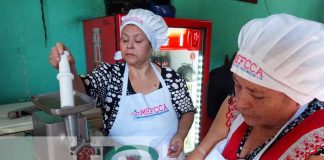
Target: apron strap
x=157, y=73
x=125, y=81
x=125, y=78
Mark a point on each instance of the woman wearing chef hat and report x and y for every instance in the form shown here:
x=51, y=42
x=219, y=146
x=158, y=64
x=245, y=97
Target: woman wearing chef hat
x=139, y=98
x=277, y=111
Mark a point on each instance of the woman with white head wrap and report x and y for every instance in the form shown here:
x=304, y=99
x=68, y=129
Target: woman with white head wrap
x=138, y=98
x=277, y=111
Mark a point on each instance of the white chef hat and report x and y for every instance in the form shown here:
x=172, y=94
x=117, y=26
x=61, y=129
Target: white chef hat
x=284, y=53
x=151, y=24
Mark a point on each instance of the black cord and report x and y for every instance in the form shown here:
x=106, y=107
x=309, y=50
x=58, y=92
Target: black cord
x=266, y=4
x=44, y=22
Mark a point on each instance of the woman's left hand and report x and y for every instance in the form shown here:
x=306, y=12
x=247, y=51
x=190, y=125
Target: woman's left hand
x=176, y=146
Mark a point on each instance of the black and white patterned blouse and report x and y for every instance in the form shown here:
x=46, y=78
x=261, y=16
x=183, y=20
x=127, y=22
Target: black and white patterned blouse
x=105, y=85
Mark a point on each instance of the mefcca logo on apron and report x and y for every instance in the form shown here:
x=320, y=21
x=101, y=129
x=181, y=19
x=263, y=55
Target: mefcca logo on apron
x=150, y=111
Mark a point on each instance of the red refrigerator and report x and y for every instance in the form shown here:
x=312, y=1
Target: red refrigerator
x=187, y=51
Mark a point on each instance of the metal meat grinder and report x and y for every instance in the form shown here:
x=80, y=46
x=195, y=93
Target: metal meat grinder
x=60, y=130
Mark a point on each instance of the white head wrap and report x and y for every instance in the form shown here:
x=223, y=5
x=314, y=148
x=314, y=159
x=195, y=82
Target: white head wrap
x=284, y=53
x=152, y=25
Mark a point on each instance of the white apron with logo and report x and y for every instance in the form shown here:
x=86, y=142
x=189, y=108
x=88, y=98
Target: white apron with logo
x=216, y=152
x=146, y=119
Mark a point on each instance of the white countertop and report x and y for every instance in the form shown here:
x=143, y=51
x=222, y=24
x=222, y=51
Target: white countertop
x=8, y=126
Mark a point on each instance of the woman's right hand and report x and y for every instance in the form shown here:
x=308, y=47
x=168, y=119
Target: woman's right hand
x=55, y=53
